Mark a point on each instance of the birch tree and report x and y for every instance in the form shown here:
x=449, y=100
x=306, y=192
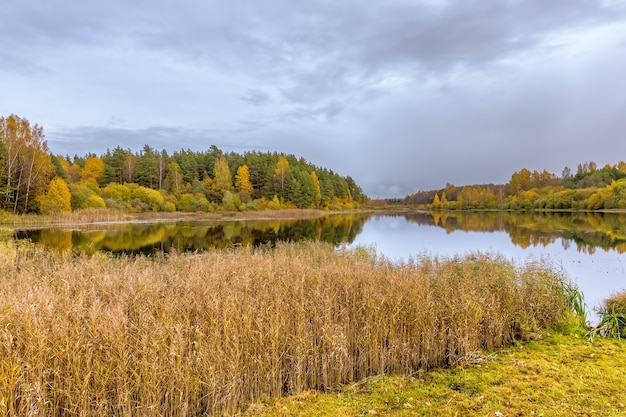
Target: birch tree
x=26, y=163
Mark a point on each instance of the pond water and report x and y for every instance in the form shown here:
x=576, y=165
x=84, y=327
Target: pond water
x=589, y=247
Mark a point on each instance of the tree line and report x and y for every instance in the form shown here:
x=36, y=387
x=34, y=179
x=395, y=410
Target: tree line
x=32, y=180
x=589, y=188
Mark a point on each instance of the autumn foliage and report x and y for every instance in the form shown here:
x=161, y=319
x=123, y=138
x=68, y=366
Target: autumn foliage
x=151, y=180
x=591, y=188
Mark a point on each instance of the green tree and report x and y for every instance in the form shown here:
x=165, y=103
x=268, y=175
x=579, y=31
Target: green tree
x=146, y=199
x=147, y=168
x=187, y=202
x=118, y=194
x=187, y=160
x=174, y=178
x=57, y=198
x=231, y=201
x=57, y=162
x=86, y=195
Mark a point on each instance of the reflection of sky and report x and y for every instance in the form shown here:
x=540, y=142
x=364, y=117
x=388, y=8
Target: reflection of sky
x=596, y=275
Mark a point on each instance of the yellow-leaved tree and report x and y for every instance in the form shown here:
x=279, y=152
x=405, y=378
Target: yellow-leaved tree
x=281, y=171
x=93, y=169
x=57, y=198
x=242, y=182
x=317, y=198
x=26, y=163
x=222, y=181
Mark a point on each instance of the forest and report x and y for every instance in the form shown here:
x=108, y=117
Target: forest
x=32, y=180
x=590, y=188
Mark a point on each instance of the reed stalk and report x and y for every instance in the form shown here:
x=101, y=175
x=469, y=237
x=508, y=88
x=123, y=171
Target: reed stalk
x=200, y=334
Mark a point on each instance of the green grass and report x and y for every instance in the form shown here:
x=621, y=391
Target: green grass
x=560, y=375
x=612, y=317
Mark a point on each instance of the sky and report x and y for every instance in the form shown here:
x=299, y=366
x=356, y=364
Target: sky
x=401, y=95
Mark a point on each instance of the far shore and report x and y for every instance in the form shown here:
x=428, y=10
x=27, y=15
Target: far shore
x=116, y=217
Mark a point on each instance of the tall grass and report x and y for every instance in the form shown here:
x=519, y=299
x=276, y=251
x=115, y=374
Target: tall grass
x=612, y=317
x=89, y=215
x=191, y=335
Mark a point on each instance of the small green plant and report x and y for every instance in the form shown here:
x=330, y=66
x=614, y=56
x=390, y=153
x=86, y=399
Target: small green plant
x=612, y=317
x=577, y=303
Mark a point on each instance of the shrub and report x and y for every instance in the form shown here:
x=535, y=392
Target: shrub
x=612, y=317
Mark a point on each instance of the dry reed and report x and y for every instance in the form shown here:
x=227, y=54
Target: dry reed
x=90, y=215
x=192, y=335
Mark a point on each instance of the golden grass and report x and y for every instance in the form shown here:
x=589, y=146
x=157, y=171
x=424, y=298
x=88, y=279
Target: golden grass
x=192, y=335
x=91, y=215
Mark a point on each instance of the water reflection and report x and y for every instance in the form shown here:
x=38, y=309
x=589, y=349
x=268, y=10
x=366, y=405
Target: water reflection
x=587, y=247
x=586, y=230
x=188, y=236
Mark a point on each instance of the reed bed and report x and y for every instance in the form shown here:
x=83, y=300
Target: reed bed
x=90, y=215
x=205, y=334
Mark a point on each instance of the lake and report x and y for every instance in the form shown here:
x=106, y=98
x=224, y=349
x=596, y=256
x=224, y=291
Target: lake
x=589, y=247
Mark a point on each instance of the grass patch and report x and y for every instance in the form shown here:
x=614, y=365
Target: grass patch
x=561, y=375
x=200, y=334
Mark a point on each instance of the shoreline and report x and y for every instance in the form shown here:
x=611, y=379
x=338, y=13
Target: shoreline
x=104, y=217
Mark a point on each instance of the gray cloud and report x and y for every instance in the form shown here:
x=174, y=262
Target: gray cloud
x=401, y=95
x=256, y=97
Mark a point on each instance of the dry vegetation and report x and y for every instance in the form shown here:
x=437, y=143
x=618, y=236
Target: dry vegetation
x=76, y=217
x=192, y=335
x=93, y=215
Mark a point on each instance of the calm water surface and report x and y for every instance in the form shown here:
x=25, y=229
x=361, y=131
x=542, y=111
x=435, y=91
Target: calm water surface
x=592, y=258
x=589, y=247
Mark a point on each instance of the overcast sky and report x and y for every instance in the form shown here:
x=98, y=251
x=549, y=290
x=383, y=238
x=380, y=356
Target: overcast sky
x=401, y=95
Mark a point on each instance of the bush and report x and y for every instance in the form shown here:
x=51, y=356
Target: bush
x=613, y=317
x=169, y=207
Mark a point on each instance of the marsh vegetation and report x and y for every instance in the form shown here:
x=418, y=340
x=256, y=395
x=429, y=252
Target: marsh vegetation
x=208, y=333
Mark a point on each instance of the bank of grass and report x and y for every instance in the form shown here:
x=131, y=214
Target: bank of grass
x=564, y=374
x=76, y=217
x=92, y=215
x=209, y=333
